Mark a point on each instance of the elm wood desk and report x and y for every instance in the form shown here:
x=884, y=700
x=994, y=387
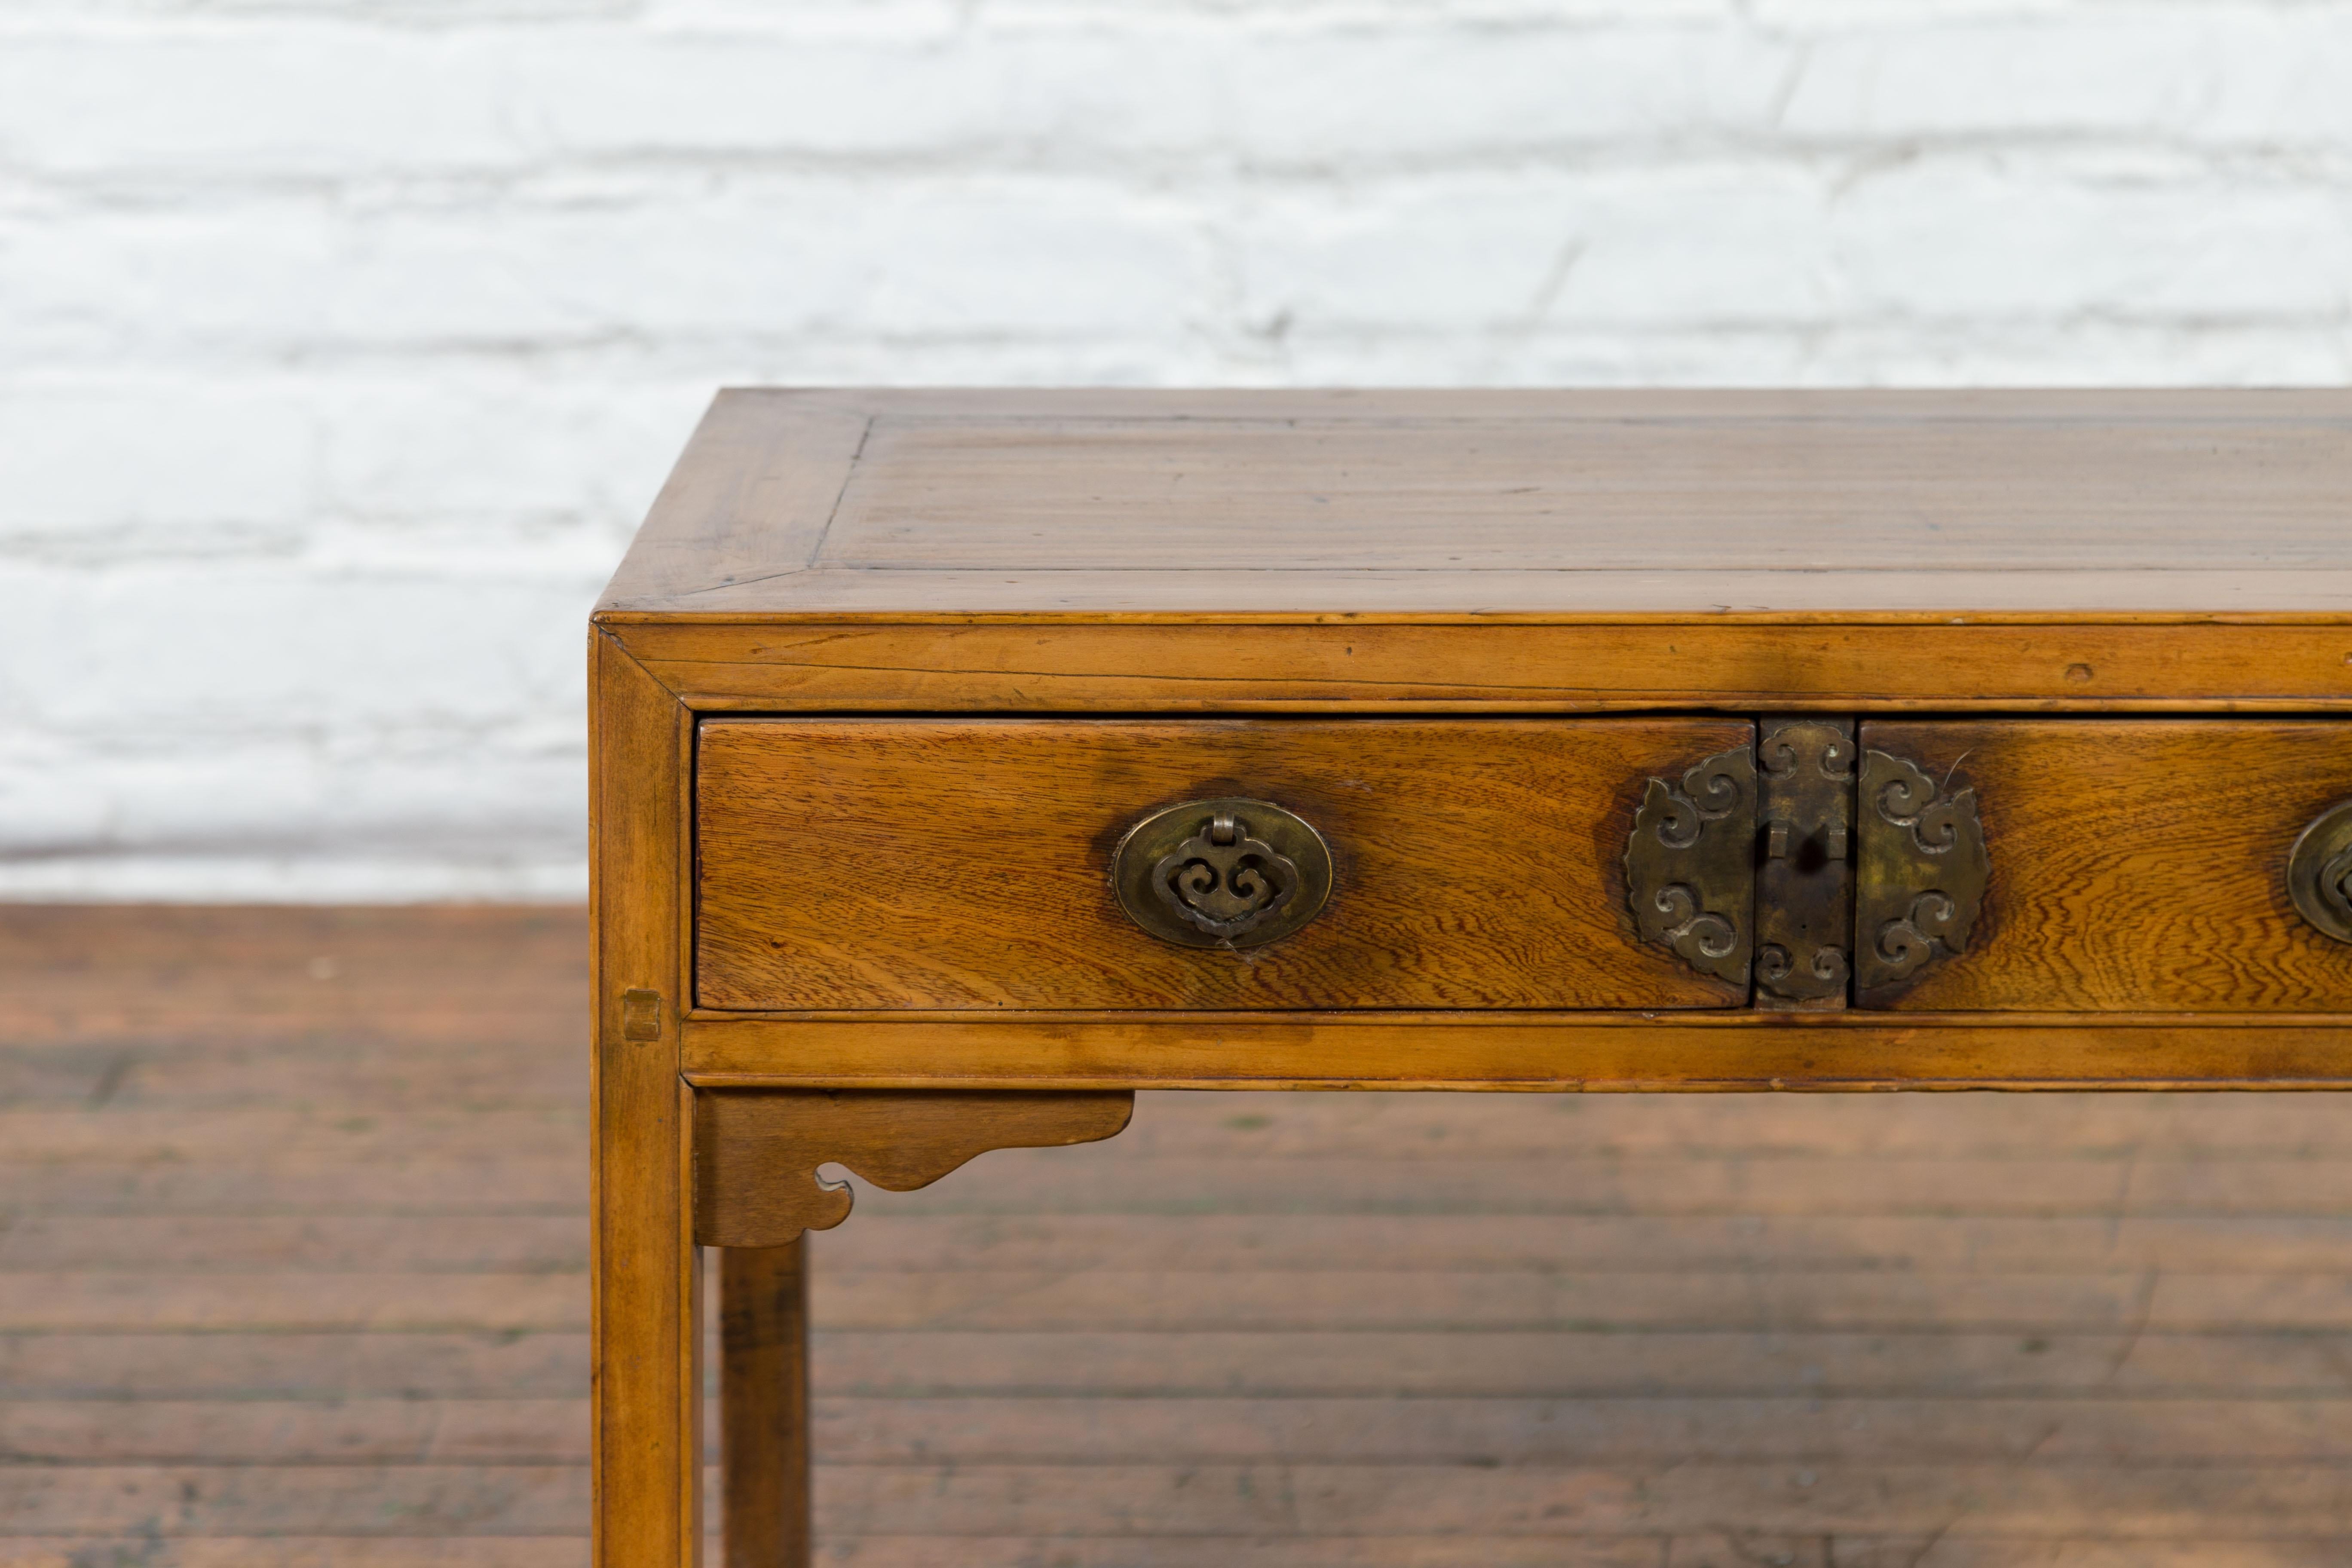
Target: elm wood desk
x=964, y=763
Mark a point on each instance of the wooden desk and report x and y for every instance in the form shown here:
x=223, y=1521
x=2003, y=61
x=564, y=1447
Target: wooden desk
x=965, y=762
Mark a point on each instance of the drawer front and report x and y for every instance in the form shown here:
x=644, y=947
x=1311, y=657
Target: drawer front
x=928, y=863
x=2136, y=865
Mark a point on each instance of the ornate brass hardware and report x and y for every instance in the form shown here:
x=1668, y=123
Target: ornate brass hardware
x=1924, y=869
x=1222, y=873
x=1753, y=857
x=2319, y=872
x=1804, y=885
x=1690, y=866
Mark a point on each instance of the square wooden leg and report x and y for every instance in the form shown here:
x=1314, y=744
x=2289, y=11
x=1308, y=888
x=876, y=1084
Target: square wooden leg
x=764, y=1404
x=646, y=1363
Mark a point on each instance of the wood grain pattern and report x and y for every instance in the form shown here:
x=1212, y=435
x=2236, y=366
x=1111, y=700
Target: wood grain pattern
x=756, y=1152
x=2137, y=865
x=1744, y=492
x=1361, y=664
x=1610, y=1052
x=943, y=863
x=763, y=1405
x=647, y=1376
x=1536, y=500
x=750, y=498
x=167, y=1002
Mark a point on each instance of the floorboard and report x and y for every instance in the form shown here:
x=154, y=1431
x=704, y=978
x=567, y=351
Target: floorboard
x=292, y=1272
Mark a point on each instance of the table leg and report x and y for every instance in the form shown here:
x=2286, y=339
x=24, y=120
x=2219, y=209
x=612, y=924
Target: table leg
x=764, y=1404
x=756, y=1155
x=645, y=1310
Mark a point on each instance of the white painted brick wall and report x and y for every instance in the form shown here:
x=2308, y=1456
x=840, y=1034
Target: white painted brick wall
x=326, y=322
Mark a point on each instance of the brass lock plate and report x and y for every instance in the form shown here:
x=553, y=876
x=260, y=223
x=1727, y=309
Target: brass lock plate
x=1230, y=873
x=1820, y=866
x=2319, y=872
x=1804, y=876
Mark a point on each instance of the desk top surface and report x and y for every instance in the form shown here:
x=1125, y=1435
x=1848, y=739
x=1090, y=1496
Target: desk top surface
x=1578, y=504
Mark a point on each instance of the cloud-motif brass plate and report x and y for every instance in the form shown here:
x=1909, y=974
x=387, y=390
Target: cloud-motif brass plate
x=1923, y=876
x=1690, y=865
x=1222, y=873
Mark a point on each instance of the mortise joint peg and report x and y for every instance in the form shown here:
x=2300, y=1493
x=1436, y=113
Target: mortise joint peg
x=641, y=1016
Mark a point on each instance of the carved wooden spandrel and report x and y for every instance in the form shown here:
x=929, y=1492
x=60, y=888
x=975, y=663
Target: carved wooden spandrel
x=757, y=1151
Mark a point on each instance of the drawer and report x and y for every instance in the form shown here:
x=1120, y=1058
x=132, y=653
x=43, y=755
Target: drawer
x=927, y=864
x=2136, y=865
x=2127, y=865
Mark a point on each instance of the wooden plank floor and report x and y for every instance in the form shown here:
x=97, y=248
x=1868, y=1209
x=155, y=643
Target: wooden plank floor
x=293, y=1241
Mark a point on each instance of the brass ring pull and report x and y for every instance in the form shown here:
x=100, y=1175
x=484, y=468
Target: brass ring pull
x=2319, y=872
x=1222, y=873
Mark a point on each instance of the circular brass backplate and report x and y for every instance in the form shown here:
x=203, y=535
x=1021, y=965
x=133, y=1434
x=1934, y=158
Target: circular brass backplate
x=1222, y=873
x=2319, y=872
